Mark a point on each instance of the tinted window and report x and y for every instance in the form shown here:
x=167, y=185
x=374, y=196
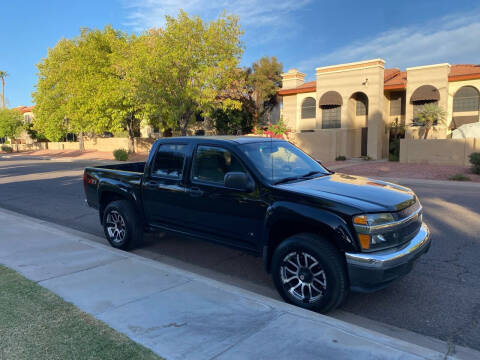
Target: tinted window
x=308, y=108
x=212, y=163
x=466, y=99
x=331, y=116
x=277, y=160
x=397, y=103
x=169, y=160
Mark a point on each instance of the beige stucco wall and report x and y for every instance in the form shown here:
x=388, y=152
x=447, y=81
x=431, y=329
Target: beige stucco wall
x=327, y=144
x=289, y=111
x=435, y=75
x=438, y=151
x=348, y=79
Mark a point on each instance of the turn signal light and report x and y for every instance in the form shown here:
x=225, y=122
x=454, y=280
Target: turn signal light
x=364, y=241
x=360, y=219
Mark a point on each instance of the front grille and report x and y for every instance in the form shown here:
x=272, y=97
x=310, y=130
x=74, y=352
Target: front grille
x=402, y=214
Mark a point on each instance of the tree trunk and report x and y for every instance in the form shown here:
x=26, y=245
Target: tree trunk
x=3, y=93
x=427, y=129
x=131, y=133
x=81, y=143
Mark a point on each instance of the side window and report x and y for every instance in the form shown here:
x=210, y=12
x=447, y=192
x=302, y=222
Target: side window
x=169, y=160
x=211, y=163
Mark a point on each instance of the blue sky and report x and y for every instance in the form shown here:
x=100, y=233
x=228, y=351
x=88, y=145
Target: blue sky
x=301, y=33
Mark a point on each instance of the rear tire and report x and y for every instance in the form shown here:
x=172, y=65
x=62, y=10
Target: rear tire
x=122, y=226
x=308, y=271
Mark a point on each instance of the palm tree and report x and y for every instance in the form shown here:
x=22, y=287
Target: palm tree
x=428, y=115
x=3, y=75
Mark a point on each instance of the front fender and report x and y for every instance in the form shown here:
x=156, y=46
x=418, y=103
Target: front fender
x=322, y=221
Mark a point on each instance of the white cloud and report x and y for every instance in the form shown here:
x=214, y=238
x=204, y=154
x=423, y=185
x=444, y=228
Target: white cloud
x=266, y=15
x=453, y=39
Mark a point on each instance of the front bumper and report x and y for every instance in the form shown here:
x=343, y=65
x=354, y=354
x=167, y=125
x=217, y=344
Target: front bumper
x=373, y=271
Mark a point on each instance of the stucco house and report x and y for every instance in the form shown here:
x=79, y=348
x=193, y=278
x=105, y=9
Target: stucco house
x=347, y=109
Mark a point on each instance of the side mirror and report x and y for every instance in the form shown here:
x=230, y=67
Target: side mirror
x=239, y=181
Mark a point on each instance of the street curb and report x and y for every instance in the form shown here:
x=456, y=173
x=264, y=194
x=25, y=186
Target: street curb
x=408, y=341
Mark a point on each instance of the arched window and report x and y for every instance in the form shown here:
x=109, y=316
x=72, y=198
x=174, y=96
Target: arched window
x=331, y=103
x=425, y=94
x=361, y=104
x=466, y=99
x=308, y=108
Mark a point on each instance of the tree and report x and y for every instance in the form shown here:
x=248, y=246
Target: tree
x=430, y=114
x=189, y=64
x=265, y=79
x=11, y=122
x=80, y=87
x=3, y=75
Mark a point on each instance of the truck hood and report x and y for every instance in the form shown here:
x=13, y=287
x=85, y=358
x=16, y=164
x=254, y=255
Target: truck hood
x=366, y=194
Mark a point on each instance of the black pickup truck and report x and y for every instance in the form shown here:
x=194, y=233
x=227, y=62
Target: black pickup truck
x=320, y=233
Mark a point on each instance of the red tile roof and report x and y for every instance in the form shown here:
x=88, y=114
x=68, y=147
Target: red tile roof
x=464, y=72
x=24, y=109
x=307, y=87
x=394, y=79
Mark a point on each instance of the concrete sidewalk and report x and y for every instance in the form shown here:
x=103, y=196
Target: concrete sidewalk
x=181, y=315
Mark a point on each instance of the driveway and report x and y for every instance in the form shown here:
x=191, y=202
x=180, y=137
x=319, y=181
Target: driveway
x=439, y=298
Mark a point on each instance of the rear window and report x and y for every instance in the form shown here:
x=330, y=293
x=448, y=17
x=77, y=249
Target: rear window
x=169, y=160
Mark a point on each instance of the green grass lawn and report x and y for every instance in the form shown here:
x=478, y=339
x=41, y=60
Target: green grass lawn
x=37, y=324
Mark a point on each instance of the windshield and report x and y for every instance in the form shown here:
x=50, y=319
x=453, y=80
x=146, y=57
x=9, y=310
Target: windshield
x=280, y=161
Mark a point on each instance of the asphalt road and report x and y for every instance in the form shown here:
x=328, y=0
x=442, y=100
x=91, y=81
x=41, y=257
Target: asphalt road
x=439, y=298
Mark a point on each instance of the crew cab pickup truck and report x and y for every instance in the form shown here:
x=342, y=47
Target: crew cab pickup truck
x=320, y=233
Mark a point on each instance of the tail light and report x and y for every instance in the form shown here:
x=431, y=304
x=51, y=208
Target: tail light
x=88, y=180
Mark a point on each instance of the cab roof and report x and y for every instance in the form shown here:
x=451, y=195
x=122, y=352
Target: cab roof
x=220, y=139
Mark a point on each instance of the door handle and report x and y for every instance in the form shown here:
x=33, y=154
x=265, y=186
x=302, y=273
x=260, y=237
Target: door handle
x=195, y=192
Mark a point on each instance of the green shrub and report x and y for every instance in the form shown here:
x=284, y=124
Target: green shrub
x=459, y=177
x=475, y=161
x=120, y=154
x=366, y=158
x=7, y=149
x=393, y=157
x=340, y=158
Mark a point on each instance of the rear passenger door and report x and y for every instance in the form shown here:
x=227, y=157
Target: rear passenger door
x=229, y=215
x=164, y=191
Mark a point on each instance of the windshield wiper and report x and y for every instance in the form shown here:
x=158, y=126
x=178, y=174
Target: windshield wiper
x=292, y=178
x=311, y=173
x=287, y=179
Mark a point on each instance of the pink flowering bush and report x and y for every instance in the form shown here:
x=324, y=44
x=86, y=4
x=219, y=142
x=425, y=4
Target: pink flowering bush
x=279, y=130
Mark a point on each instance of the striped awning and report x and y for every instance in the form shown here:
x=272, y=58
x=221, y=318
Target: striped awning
x=331, y=98
x=425, y=93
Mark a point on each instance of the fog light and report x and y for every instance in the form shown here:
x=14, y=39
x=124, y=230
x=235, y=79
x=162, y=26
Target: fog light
x=378, y=239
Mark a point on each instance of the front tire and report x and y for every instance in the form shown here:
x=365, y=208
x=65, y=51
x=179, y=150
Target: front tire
x=308, y=271
x=121, y=225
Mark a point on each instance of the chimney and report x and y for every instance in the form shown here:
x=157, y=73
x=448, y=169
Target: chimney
x=292, y=79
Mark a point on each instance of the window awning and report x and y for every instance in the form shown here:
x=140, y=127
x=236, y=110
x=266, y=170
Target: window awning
x=425, y=93
x=458, y=121
x=331, y=98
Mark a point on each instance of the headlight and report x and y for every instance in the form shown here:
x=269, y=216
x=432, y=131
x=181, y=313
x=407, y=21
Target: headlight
x=367, y=227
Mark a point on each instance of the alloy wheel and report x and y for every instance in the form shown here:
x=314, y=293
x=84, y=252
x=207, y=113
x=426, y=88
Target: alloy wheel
x=303, y=276
x=116, y=227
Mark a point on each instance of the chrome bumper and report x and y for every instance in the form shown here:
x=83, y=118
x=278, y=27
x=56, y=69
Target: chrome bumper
x=372, y=271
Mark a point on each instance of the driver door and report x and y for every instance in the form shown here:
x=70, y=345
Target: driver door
x=229, y=215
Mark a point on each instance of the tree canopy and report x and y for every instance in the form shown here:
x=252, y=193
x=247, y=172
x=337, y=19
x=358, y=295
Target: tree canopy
x=107, y=80
x=11, y=123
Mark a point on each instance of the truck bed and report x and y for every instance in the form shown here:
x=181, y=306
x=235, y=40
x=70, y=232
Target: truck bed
x=137, y=167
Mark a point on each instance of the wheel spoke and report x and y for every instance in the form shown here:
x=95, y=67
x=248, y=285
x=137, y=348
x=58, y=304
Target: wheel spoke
x=324, y=284
x=313, y=265
x=293, y=264
x=303, y=290
x=289, y=279
x=315, y=288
